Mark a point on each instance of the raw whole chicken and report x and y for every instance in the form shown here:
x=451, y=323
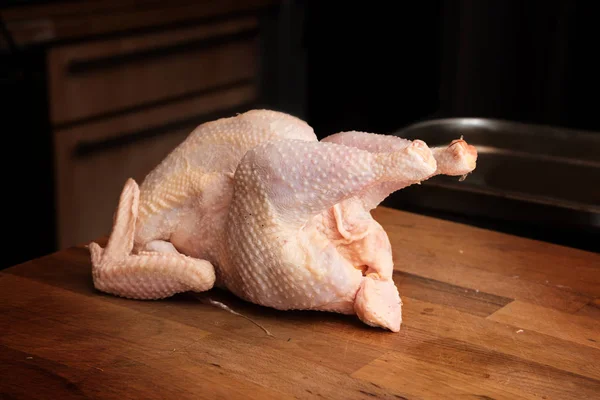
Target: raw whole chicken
x=257, y=205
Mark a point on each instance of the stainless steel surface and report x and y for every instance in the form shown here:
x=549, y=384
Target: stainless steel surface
x=524, y=172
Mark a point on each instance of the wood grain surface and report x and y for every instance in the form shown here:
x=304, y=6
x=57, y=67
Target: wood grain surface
x=486, y=316
x=60, y=21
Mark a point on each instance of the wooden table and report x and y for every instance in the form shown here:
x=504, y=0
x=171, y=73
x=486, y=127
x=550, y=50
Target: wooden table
x=486, y=316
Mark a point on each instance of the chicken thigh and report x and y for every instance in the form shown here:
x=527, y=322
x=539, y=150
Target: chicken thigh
x=255, y=204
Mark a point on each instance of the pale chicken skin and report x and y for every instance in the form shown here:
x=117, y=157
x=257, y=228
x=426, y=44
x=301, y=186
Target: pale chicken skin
x=255, y=204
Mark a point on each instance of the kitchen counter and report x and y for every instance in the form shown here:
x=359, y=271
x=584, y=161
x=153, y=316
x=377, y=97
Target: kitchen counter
x=486, y=316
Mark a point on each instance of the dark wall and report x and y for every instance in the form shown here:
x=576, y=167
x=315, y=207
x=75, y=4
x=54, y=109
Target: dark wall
x=371, y=65
x=531, y=61
x=26, y=161
x=381, y=65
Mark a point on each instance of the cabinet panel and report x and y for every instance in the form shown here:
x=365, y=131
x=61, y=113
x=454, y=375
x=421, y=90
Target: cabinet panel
x=93, y=161
x=102, y=77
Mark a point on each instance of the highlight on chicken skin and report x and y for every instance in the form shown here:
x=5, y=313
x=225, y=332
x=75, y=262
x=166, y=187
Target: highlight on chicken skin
x=257, y=205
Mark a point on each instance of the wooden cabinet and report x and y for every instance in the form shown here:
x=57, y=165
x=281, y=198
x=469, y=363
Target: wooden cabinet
x=97, y=78
x=119, y=105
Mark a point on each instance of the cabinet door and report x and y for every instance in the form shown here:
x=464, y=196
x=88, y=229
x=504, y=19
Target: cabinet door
x=102, y=77
x=93, y=161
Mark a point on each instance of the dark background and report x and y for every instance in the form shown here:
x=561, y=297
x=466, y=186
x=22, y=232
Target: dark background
x=375, y=66
x=530, y=61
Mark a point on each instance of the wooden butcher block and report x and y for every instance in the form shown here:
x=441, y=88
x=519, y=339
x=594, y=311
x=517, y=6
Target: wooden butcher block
x=486, y=316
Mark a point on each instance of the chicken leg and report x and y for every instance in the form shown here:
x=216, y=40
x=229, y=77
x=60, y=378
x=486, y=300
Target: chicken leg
x=458, y=158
